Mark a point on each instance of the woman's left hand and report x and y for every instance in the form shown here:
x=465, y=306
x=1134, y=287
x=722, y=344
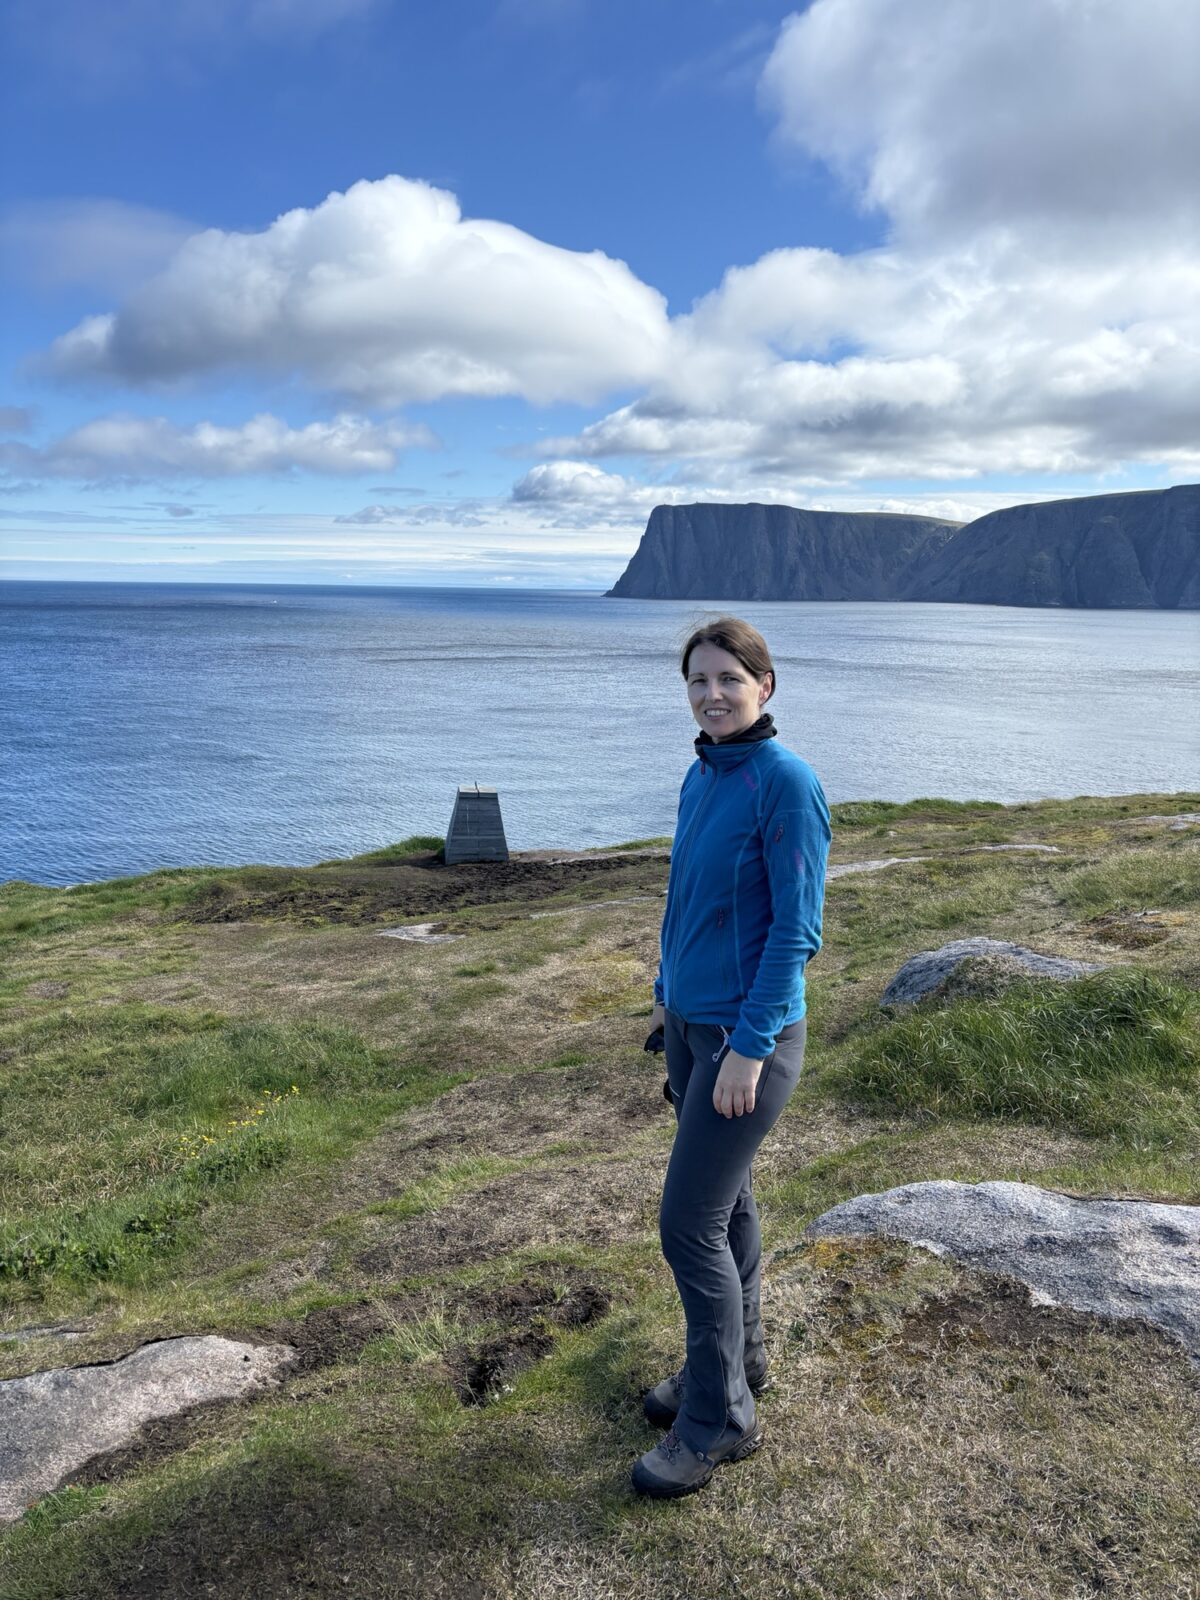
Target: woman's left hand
x=733, y=1094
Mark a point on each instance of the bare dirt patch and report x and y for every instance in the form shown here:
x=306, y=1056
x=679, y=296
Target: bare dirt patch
x=1131, y=930
x=399, y=891
x=998, y=1312
x=589, y=1203
x=534, y=1309
x=602, y=1107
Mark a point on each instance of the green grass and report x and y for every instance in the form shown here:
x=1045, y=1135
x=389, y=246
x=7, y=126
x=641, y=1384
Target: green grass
x=415, y=845
x=869, y=813
x=158, y=1174
x=661, y=841
x=31, y=911
x=121, y=1124
x=1137, y=880
x=1116, y=1054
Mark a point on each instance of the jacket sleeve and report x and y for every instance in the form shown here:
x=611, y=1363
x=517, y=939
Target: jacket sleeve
x=796, y=835
x=658, y=985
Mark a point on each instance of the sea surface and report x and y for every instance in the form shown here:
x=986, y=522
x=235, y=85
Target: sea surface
x=144, y=726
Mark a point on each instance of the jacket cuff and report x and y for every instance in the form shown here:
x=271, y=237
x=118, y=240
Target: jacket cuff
x=754, y=1046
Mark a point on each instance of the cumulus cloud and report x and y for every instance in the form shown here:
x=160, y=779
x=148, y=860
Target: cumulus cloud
x=950, y=118
x=1036, y=307
x=126, y=449
x=559, y=482
x=385, y=294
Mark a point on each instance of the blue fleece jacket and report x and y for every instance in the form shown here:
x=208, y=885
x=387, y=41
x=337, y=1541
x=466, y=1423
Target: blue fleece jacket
x=745, y=892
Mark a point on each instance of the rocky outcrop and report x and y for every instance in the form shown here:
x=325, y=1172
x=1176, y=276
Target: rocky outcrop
x=52, y=1422
x=930, y=971
x=1138, y=549
x=754, y=552
x=1115, y=1258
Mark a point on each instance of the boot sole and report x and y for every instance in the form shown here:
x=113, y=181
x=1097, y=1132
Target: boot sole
x=663, y=1416
x=747, y=1447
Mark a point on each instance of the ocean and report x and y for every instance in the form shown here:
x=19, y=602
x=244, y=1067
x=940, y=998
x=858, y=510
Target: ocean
x=154, y=725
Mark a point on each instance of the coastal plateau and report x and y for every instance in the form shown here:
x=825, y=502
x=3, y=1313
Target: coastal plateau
x=1139, y=549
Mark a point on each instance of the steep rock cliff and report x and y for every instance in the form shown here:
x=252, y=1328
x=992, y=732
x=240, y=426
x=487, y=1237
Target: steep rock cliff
x=755, y=552
x=1134, y=549
x=1137, y=549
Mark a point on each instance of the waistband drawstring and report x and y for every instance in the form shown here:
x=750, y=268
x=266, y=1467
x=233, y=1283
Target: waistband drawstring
x=724, y=1043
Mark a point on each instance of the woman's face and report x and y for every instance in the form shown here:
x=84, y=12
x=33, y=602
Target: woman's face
x=725, y=698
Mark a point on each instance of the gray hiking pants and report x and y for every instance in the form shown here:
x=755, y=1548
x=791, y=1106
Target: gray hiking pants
x=708, y=1223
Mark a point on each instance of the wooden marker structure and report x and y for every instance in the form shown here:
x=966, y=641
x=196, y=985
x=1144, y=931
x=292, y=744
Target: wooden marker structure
x=476, y=831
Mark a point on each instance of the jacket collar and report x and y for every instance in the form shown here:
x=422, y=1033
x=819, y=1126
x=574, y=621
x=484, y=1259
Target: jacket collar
x=731, y=753
x=724, y=757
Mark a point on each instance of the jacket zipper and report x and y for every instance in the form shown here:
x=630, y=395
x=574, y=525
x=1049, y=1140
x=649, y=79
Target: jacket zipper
x=691, y=834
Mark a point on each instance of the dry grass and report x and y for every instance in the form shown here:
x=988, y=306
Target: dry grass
x=931, y=1434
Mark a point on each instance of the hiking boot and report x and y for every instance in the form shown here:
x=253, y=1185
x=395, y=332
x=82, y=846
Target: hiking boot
x=671, y=1469
x=661, y=1404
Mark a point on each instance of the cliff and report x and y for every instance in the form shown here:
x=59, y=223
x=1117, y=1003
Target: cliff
x=1133, y=549
x=756, y=552
x=1139, y=549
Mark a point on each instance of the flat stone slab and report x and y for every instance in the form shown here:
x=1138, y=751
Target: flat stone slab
x=44, y=1330
x=923, y=972
x=1116, y=1258
x=52, y=1422
x=420, y=933
x=844, y=868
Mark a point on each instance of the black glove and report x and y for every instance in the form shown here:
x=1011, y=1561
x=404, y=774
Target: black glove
x=655, y=1044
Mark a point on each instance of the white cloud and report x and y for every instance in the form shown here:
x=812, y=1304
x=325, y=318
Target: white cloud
x=384, y=294
x=952, y=118
x=126, y=449
x=1037, y=306
x=561, y=482
x=107, y=245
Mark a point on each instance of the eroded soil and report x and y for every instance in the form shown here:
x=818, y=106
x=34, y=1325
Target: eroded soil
x=421, y=885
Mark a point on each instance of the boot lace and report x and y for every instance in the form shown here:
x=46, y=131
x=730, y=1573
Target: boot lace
x=670, y=1444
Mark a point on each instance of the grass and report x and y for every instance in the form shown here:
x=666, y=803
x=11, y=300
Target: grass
x=1137, y=880
x=416, y=844
x=122, y=1123
x=1114, y=1054
x=475, y=1141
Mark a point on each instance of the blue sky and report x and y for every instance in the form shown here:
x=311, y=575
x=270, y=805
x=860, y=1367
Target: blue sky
x=353, y=290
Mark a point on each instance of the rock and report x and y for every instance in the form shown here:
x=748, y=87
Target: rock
x=846, y=867
x=1115, y=1258
x=757, y=552
x=43, y=1330
x=419, y=933
x=1133, y=549
x=52, y=1422
x=1000, y=963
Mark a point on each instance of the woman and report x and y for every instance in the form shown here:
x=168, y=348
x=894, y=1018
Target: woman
x=743, y=916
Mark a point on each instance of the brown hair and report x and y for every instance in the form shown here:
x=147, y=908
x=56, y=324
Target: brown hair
x=740, y=639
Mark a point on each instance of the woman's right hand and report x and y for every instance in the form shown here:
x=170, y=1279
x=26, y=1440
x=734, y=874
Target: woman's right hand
x=658, y=1018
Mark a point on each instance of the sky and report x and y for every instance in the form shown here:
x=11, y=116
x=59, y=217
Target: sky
x=366, y=291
